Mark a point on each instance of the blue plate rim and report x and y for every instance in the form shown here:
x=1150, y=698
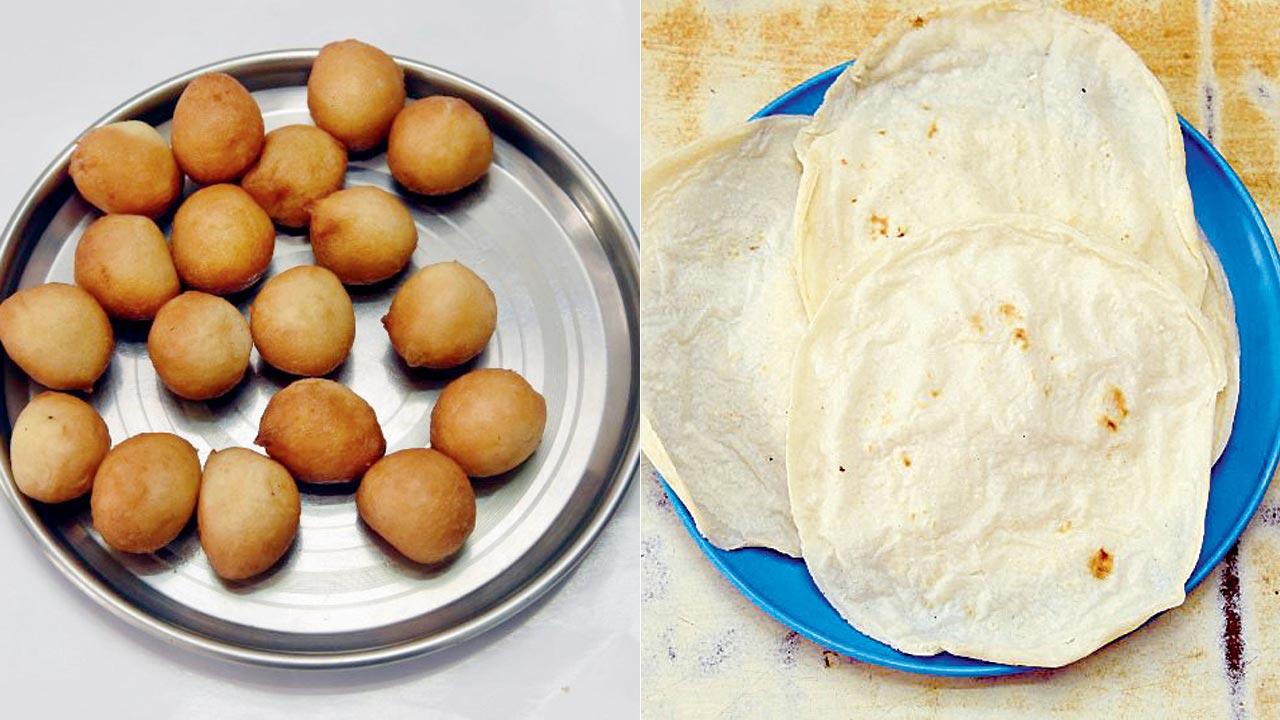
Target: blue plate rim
x=982, y=668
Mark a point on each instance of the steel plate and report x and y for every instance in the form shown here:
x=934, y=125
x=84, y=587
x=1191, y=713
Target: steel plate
x=544, y=232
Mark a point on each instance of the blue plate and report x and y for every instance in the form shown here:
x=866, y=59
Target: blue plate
x=781, y=586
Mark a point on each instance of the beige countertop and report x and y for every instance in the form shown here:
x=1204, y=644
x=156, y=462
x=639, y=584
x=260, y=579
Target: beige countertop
x=706, y=650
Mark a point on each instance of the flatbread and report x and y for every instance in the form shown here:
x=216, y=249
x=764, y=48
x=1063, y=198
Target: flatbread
x=722, y=316
x=997, y=107
x=1000, y=443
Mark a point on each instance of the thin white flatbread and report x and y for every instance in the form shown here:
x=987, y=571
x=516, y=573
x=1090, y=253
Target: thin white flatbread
x=1000, y=443
x=1001, y=106
x=721, y=316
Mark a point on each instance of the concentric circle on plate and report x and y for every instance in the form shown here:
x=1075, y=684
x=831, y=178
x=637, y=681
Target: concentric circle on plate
x=781, y=586
x=558, y=253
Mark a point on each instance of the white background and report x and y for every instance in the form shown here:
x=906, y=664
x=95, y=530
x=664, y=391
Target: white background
x=574, y=64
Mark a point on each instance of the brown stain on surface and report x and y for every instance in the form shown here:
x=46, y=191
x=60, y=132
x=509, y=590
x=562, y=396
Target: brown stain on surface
x=933, y=129
x=1117, y=409
x=1116, y=397
x=1101, y=563
x=1009, y=312
x=975, y=321
x=1020, y=338
x=880, y=225
x=671, y=40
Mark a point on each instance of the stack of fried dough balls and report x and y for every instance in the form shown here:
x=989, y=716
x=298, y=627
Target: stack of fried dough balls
x=144, y=491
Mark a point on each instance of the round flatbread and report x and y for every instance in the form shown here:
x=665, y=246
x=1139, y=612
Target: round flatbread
x=722, y=315
x=1003, y=107
x=1000, y=442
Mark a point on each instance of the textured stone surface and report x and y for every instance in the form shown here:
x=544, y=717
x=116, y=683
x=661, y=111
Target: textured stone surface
x=706, y=651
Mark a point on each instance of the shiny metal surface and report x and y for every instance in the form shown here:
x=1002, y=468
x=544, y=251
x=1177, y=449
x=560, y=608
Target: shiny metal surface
x=559, y=255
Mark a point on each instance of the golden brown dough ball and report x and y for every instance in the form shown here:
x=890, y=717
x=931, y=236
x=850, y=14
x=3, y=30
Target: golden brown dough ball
x=222, y=240
x=442, y=316
x=354, y=92
x=439, y=145
x=321, y=431
x=57, y=444
x=126, y=167
x=420, y=501
x=217, y=129
x=488, y=421
x=299, y=165
x=247, y=513
x=303, y=321
x=124, y=262
x=363, y=234
x=58, y=334
x=145, y=491
x=199, y=345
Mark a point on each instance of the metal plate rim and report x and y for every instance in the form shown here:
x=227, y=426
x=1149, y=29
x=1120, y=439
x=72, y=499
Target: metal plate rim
x=548, y=577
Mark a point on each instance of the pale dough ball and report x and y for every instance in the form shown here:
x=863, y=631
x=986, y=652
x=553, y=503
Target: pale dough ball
x=354, y=92
x=57, y=444
x=363, y=234
x=126, y=167
x=321, y=431
x=439, y=145
x=145, y=491
x=303, y=321
x=199, y=345
x=299, y=165
x=420, y=501
x=217, y=129
x=247, y=513
x=222, y=240
x=442, y=316
x=124, y=262
x=488, y=421
x=58, y=334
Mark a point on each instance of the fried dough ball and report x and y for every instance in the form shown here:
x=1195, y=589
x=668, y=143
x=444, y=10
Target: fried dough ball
x=222, y=240
x=58, y=334
x=217, y=129
x=363, y=234
x=57, y=444
x=442, y=316
x=145, y=491
x=321, y=431
x=420, y=501
x=299, y=165
x=124, y=263
x=439, y=145
x=354, y=92
x=247, y=513
x=126, y=167
x=488, y=421
x=303, y=321
x=199, y=345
